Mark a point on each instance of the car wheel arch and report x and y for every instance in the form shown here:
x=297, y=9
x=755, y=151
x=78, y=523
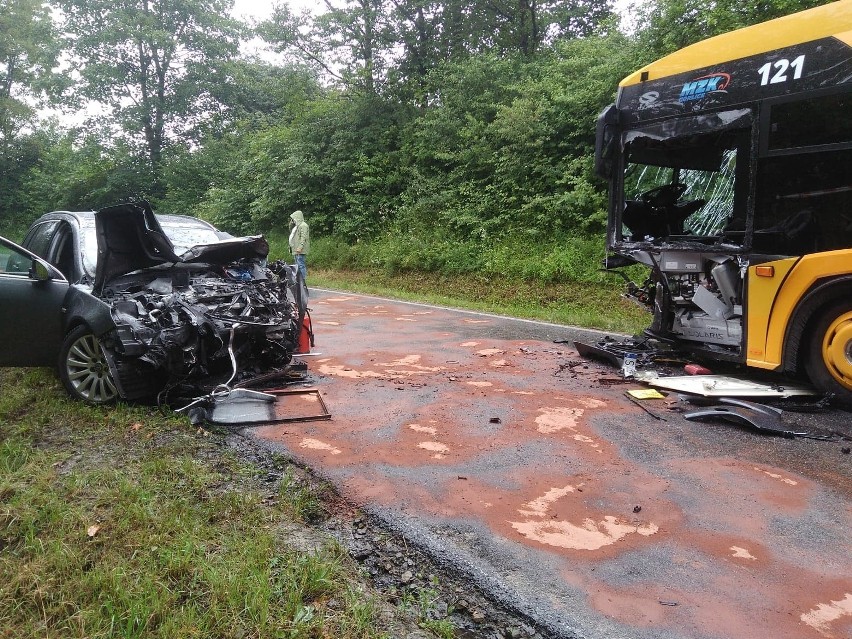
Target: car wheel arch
x=81, y=307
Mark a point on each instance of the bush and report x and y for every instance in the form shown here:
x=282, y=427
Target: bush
x=557, y=259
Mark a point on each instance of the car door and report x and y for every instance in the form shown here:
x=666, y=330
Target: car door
x=32, y=294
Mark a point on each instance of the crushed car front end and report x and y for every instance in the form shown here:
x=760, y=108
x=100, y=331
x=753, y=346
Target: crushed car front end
x=185, y=320
x=200, y=323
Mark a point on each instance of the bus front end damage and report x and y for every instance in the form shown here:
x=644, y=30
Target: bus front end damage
x=677, y=210
x=694, y=297
x=729, y=179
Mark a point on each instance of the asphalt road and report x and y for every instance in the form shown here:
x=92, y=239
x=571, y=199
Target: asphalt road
x=508, y=457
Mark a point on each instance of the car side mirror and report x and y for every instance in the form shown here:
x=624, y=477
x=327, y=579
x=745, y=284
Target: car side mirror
x=40, y=272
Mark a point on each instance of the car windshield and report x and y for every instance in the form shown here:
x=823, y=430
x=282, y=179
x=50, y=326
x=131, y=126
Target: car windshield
x=89, y=245
x=183, y=234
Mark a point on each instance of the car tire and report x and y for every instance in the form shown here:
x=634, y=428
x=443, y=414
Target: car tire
x=84, y=370
x=828, y=361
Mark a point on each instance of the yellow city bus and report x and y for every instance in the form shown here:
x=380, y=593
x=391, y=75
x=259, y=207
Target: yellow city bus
x=730, y=175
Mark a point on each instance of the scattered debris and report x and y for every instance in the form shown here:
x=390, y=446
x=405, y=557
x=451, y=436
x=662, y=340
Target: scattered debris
x=696, y=369
x=628, y=367
x=646, y=393
x=612, y=381
x=809, y=406
x=570, y=365
x=724, y=386
x=647, y=360
x=759, y=416
x=244, y=407
x=645, y=408
x=646, y=351
x=592, y=351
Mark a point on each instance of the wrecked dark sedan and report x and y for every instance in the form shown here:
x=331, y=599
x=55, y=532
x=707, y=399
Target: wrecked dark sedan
x=134, y=305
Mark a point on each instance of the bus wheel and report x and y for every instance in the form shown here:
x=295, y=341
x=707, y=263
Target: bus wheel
x=829, y=358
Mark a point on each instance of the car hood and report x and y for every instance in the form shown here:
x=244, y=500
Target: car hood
x=131, y=239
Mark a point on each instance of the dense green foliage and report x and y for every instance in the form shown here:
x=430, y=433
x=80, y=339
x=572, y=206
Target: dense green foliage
x=27, y=56
x=453, y=136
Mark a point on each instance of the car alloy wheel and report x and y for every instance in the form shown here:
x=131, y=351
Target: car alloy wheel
x=84, y=369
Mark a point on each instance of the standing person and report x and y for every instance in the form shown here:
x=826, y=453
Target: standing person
x=300, y=242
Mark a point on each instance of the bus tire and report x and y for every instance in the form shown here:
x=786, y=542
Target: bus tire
x=828, y=362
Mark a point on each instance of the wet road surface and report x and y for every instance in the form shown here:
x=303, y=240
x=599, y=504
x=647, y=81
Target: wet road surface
x=513, y=460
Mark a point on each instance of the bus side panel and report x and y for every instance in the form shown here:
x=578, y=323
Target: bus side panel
x=761, y=296
x=776, y=315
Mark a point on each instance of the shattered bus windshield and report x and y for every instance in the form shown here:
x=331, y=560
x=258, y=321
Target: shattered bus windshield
x=682, y=187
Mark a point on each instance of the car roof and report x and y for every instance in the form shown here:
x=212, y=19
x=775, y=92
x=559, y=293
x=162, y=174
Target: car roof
x=87, y=218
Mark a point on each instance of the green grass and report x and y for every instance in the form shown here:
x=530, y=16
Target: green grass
x=302, y=500
x=423, y=603
x=123, y=522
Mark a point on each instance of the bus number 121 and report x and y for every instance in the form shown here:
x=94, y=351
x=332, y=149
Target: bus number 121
x=781, y=68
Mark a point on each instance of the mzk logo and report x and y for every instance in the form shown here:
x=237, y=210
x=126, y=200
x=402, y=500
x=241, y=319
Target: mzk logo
x=698, y=88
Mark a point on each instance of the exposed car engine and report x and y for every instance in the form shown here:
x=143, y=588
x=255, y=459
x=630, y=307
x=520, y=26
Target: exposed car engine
x=197, y=321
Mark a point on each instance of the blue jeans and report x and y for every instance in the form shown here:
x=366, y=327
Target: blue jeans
x=302, y=266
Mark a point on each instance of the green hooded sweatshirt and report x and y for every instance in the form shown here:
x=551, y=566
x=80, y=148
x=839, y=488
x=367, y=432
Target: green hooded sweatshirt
x=300, y=237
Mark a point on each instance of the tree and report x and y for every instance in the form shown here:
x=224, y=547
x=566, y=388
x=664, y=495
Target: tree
x=430, y=33
x=254, y=98
x=349, y=42
x=79, y=172
x=28, y=54
x=579, y=18
x=507, y=147
x=150, y=62
x=417, y=32
x=255, y=92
